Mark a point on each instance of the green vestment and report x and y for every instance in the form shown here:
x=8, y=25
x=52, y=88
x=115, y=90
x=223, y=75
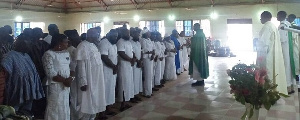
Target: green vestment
x=198, y=54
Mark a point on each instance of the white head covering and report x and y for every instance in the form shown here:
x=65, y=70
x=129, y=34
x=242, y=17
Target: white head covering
x=144, y=31
x=167, y=35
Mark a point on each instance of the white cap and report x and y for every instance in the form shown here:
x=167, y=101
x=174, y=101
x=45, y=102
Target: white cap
x=167, y=35
x=144, y=31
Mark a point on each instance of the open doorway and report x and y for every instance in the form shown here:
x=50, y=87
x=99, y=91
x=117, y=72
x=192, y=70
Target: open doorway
x=240, y=37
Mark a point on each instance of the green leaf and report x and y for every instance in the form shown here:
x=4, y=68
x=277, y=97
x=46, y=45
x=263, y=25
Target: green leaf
x=267, y=105
x=244, y=116
x=251, y=112
x=284, y=95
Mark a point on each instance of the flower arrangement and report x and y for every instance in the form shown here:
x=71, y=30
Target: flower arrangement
x=250, y=84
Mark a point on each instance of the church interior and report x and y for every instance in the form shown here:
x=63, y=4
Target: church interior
x=231, y=28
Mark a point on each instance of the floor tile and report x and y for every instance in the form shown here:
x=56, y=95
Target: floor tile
x=174, y=104
x=186, y=114
x=154, y=116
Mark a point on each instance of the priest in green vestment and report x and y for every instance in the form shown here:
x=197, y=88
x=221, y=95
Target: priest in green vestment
x=198, y=65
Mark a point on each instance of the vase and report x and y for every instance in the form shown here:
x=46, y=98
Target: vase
x=255, y=112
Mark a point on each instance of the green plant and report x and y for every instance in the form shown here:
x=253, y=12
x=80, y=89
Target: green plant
x=250, y=84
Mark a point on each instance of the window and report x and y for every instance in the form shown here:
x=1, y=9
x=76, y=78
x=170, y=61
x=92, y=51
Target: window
x=120, y=24
x=19, y=27
x=37, y=24
x=154, y=25
x=84, y=27
x=187, y=26
x=297, y=21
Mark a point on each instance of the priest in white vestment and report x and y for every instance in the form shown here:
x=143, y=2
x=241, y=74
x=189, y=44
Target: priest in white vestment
x=269, y=53
x=91, y=96
x=286, y=44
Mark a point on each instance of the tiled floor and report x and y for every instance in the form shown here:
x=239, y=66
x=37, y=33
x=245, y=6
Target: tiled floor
x=179, y=101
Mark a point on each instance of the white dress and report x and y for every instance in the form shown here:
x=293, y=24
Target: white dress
x=185, y=61
x=181, y=40
x=125, y=74
x=163, y=49
x=286, y=52
x=137, y=72
x=90, y=72
x=106, y=48
x=170, y=68
x=157, y=71
x=147, y=46
x=57, y=63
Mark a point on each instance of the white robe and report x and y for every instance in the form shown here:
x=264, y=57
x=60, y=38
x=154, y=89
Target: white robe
x=181, y=41
x=170, y=68
x=125, y=81
x=296, y=43
x=57, y=63
x=163, y=49
x=185, y=58
x=286, y=52
x=157, y=71
x=90, y=72
x=106, y=48
x=147, y=46
x=137, y=72
x=269, y=55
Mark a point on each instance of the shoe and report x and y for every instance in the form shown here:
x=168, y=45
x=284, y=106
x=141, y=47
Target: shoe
x=148, y=96
x=133, y=100
x=198, y=83
x=177, y=73
x=155, y=89
x=138, y=99
x=291, y=92
x=110, y=113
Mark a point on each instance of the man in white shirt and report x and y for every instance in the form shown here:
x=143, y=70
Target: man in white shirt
x=109, y=56
x=148, y=56
x=137, y=68
x=125, y=79
x=91, y=97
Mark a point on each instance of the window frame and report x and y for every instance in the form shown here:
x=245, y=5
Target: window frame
x=22, y=28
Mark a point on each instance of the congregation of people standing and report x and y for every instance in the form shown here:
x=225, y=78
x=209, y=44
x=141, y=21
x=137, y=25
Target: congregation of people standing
x=81, y=77
x=73, y=77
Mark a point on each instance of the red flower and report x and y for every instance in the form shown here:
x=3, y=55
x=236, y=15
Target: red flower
x=246, y=92
x=263, y=72
x=249, y=70
x=262, y=80
x=257, y=75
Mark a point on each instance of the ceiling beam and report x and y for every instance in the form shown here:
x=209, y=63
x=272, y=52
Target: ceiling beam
x=170, y=3
x=134, y=3
x=77, y=4
x=65, y=6
x=48, y=3
x=212, y=2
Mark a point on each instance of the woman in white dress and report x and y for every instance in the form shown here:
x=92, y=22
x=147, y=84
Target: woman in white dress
x=170, y=68
x=56, y=62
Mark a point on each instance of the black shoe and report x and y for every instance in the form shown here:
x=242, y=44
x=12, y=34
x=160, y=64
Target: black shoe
x=297, y=78
x=291, y=92
x=148, y=96
x=155, y=89
x=198, y=83
x=177, y=73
